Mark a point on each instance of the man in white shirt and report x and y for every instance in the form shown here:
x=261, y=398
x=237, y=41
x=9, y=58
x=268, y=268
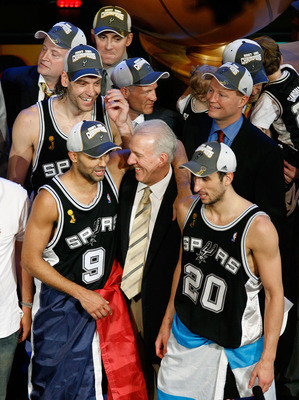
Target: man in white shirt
x=153, y=146
x=15, y=322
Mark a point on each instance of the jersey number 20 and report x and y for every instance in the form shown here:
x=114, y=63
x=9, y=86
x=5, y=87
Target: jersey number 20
x=213, y=288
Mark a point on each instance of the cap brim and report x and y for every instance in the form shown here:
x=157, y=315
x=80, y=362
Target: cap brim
x=152, y=78
x=196, y=169
x=221, y=81
x=109, y=29
x=102, y=149
x=260, y=77
x=85, y=72
x=54, y=40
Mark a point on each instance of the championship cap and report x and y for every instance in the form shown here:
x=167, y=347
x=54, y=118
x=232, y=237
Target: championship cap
x=137, y=72
x=112, y=19
x=82, y=60
x=233, y=76
x=211, y=157
x=64, y=35
x=90, y=137
x=249, y=54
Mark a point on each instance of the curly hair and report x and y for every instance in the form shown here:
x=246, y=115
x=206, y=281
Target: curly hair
x=198, y=85
x=271, y=54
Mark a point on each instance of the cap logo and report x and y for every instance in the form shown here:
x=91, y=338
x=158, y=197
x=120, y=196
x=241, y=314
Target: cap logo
x=138, y=64
x=111, y=20
x=201, y=171
x=94, y=130
x=234, y=69
x=67, y=28
x=83, y=54
x=114, y=13
x=206, y=150
x=247, y=58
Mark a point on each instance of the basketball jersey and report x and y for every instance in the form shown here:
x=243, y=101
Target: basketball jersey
x=191, y=137
x=217, y=295
x=52, y=155
x=285, y=93
x=84, y=244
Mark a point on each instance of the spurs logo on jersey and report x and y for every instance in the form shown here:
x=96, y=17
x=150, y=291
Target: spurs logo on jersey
x=206, y=251
x=209, y=249
x=88, y=234
x=215, y=276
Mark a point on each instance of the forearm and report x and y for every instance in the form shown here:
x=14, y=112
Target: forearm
x=125, y=131
x=43, y=271
x=274, y=306
x=182, y=176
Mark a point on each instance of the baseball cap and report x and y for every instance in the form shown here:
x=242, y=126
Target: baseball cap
x=135, y=71
x=233, y=76
x=211, y=157
x=249, y=54
x=112, y=19
x=64, y=35
x=82, y=60
x=90, y=137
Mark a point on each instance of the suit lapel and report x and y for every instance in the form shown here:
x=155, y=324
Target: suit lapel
x=163, y=220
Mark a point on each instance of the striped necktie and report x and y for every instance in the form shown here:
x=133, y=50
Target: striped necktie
x=220, y=136
x=48, y=92
x=133, y=269
x=104, y=82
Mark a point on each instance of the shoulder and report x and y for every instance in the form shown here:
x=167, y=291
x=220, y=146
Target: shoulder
x=18, y=73
x=261, y=232
x=12, y=189
x=255, y=136
x=183, y=207
x=45, y=204
x=29, y=114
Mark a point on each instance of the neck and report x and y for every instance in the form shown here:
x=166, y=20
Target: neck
x=72, y=111
x=82, y=189
x=275, y=76
x=224, y=123
x=50, y=82
x=227, y=209
x=133, y=114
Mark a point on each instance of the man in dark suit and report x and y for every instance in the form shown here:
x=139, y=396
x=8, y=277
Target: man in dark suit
x=138, y=83
x=153, y=147
x=24, y=86
x=259, y=177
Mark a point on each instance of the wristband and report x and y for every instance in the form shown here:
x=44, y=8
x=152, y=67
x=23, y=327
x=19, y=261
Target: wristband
x=24, y=303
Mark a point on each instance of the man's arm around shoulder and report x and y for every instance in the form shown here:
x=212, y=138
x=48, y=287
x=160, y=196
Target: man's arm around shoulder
x=164, y=333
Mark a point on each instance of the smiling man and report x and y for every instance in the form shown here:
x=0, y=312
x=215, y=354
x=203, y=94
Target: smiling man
x=153, y=148
x=216, y=341
x=40, y=132
x=24, y=86
x=259, y=177
x=79, y=315
x=112, y=35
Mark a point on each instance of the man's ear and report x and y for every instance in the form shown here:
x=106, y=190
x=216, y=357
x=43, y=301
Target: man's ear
x=244, y=99
x=163, y=158
x=73, y=156
x=125, y=92
x=228, y=178
x=129, y=39
x=64, y=79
